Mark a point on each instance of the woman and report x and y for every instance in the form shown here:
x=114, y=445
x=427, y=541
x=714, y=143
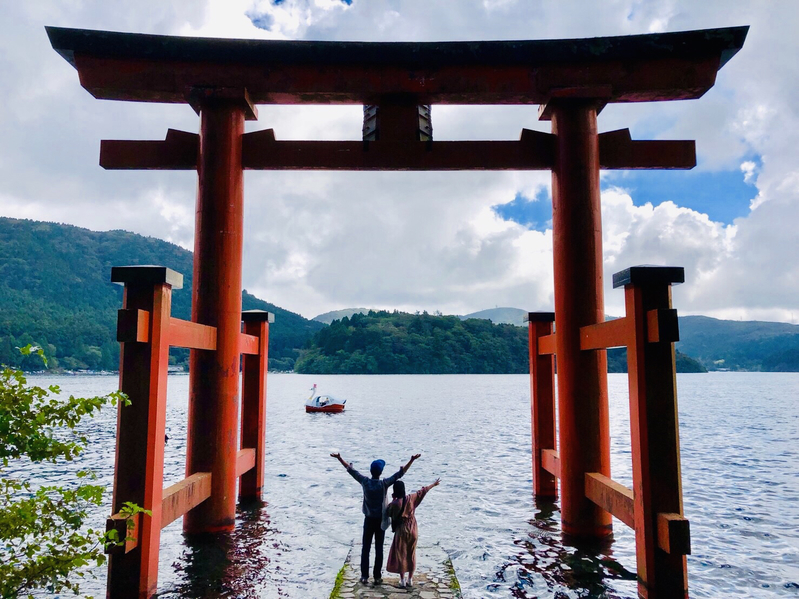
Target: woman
x=402, y=555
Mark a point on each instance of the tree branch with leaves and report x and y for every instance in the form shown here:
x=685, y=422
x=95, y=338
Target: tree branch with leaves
x=45, y=542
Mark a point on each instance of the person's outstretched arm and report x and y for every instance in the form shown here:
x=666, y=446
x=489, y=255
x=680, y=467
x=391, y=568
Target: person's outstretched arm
x=398, y=474
x=419, y=495
x=411, y=461
x=353, y=472
x=347, y=465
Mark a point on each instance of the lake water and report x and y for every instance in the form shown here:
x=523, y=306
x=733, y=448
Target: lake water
x=740, y=468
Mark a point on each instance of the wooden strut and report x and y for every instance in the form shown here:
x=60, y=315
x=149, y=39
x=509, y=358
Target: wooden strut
x=146, y=331
x=653, y=507
x=260, y=151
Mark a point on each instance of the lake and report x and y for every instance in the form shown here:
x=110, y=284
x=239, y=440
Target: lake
x=740, y=455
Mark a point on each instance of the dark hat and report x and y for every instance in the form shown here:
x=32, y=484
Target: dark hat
x=377, y=467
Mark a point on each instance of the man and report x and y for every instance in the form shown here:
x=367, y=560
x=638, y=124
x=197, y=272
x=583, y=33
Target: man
x=374, y=498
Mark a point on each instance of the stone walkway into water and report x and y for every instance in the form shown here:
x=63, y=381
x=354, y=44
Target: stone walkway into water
x=434, y=579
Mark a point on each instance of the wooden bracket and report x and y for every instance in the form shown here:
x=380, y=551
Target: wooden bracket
x=662, y=326
x=617, y=150
x=599, y=95
x=197, y=97
x=178, y=151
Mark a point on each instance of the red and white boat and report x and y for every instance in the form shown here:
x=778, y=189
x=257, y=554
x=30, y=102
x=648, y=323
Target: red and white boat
x=324, y=403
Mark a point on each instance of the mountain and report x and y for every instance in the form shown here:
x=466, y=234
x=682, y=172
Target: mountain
x=500, y=316
x=55, y=291
x=329, y=317
x=715, y=344
x=740, y=345
x=400, y=343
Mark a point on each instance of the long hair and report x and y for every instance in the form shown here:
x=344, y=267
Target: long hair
x=399, y=490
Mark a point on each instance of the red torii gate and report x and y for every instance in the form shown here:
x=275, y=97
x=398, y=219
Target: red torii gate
x=571, y=80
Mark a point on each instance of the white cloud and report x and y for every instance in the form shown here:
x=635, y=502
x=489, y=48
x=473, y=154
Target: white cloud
x=320, y=241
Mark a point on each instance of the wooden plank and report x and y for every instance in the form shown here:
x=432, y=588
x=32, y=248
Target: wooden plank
x=662, y=326
x=533, y=152
x=177, y=152
x=611, y=333
x=546, y=345
x=245, y=460
x=550, y=461
x=674, y=534
x=618, y=151
x=250, y=344
x=185, y=495
x=184, y=333
x=131, y=535
x=612, y=497
x=133, y=326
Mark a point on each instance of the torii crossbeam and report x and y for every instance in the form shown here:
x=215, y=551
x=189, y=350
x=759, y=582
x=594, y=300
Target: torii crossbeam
x=572, y=80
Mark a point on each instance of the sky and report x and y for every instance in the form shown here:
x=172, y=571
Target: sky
x=450, y=242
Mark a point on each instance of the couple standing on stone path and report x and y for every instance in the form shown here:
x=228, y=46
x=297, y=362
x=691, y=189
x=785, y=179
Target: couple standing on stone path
x=400, y=513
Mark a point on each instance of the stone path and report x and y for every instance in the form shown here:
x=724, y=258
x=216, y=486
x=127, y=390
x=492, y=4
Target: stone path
x=434, y=579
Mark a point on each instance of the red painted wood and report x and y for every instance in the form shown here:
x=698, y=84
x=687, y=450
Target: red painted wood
x=550, y=461
x=612, y=497
x=216, y=301
x=618, y=150
x=141, y=427
x=184, y=496
x=245, y=460
x=167, y=81
x=133, y=326
x=250, y=344
x=264, y=153
x=547, y=344
x=582, y=384
x=655, y=445
x=611, y=333
x=184, y=333
x=253, y=411
x=542, y=400
x=674, y=533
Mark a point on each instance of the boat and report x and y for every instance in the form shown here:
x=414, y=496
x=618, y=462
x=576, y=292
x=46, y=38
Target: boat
x=324, y=403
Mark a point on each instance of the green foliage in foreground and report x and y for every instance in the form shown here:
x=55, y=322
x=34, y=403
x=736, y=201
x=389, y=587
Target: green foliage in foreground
x=400, y=343
x=44, y=542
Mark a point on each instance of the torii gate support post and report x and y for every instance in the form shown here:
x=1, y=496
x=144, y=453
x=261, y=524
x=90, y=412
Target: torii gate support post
x=662, y=539
x=542, y=403
x=141, y=425
x=253, y=402
x=216, y=301
x=579, y=301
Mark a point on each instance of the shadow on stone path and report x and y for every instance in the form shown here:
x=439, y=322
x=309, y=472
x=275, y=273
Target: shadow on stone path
x=435, y=578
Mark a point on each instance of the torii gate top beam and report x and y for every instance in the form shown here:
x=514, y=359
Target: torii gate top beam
x=639, y=68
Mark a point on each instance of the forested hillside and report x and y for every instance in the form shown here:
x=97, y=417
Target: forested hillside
x=400, y=343
x=55, y=291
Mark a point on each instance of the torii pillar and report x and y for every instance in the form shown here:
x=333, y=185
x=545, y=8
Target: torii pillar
x=216, y=301
x=579, y=301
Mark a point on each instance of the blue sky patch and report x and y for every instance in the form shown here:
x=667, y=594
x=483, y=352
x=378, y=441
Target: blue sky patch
x=535, y=213
x=723, y=196
x=262, y=20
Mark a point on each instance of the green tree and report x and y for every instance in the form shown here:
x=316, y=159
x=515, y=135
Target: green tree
x=44, y=540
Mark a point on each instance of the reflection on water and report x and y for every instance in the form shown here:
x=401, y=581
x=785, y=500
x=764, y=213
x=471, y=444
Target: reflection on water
x=586, y=570
x=242, y=563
